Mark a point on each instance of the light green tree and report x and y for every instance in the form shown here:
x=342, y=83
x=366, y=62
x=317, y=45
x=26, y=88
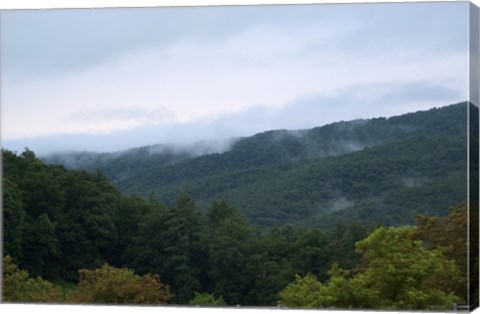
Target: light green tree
x=305, y=292
x=396, y=272
x=18, y=286
x=206, y=299
x=404, y=273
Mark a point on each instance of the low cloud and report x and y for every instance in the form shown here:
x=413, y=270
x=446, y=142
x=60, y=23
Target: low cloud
x=306, y=112
x=194, y=149
x=338, y=204
x=107, y=120
x=209, y=84
x=413, y=182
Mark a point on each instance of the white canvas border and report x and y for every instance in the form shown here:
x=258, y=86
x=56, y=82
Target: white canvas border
x=74, y=309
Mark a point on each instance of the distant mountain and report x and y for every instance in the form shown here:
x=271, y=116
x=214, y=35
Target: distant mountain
x=373, y=170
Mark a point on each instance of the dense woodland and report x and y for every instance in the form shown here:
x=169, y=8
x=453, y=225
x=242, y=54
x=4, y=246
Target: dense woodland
x=71, y=236
x=377, y=170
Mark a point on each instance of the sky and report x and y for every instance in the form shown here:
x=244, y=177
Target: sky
x=111, y=79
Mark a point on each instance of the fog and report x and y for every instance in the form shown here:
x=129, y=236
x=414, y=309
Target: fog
x=214, y=134
x=187, y=75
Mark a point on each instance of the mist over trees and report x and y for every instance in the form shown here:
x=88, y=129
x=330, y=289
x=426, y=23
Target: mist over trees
x=362, y=214
x=374, y=170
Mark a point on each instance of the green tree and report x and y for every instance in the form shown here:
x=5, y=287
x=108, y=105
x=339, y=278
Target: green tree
x=311, y=253
x=85, y=229
x=112, y=285
x=228, y=242
x=396, y=272
x=305, y=292
x=136, y=223
x=180, y=247
x=341, y=291
x=404, y=273
x=18, y=286
x=451, y=232
x=270, y=264
x=57, y=221
x=144, y=238
x=341, y=244
x=40, y=244
x=206, y=299
x=13, y=220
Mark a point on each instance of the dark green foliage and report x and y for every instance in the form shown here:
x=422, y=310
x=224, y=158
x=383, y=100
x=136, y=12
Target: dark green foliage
x=84, y=222
x=314, y=195
x=342, y=244
x=163, y=240
x=39, y=244
x=271, y=265
x=135, y=221
x=66, y=217
x=14, y=215
x=311, y=252
x=228, y=240
x=87, y=224
x=180, y=245
x=380, y=170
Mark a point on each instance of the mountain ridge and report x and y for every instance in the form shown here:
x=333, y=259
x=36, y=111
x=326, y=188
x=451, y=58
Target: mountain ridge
x=240, y=174
x=185, y=150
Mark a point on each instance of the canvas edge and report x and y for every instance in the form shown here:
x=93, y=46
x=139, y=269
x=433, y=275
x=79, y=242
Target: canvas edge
x=473, y=157
x=473, y=139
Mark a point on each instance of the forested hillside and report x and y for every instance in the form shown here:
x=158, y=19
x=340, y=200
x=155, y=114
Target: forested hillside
x=91, y=244
x=59, y=221
x=375, y=171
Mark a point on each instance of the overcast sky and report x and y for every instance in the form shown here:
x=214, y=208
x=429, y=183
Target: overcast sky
x=111, y=79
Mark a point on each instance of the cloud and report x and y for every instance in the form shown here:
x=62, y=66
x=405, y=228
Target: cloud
x=191, y=80
x=216, y=134
x=224, y=71
x=195, y=81
x=107, y=120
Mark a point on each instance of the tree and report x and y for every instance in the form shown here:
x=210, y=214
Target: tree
x=40, y=244
x=18, y=286
x=57, y=221
x=451, y=233
x=144, y=238
x=227, y=242
x=311, y=255
x=339, y=292
x=270, y=264
x=305, y=292
x=342, y=291
x=404, y=273
x=206, y=299
x=396, y=271
x=85, y=228
x=137, y=222
x=180, y=248
x=112, y=285
x=341, y=246
x=13, y=220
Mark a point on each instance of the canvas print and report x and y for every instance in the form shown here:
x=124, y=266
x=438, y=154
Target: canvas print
x=320, y=156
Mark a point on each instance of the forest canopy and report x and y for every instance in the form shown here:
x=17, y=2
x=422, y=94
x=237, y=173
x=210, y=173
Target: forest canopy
x=69, y=235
